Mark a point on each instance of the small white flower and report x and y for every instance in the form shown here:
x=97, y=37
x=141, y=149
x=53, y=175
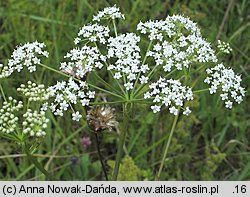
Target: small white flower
x=173, y=110
x=76, y=116
x=155, y=108
x=187, y=111
x=128, y=86
x=229, y=104
x=143, y=79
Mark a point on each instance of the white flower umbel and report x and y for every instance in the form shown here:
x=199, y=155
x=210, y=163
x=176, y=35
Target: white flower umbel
x=224, y=47
x=109, y=13
x=34, y=92
x=158, y=29
x=8, y=115
x=82, y=61
x=124, y=51
x=169, y=93
x=225, y=79
x=93, y=33
x=69, y=93
x=178, y=43
x=34, y=123
x=27, y=55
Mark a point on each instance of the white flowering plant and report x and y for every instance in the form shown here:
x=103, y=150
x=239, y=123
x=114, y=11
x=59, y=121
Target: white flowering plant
x=119, y=66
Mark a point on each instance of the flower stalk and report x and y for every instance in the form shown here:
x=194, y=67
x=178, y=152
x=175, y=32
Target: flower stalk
x=121, y=143
x=100, y=156
x=36, y=162
x=167, y=146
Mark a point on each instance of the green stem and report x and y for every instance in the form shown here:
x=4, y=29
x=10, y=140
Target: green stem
x=121, y=144
x=96, y=87
x=105, y=103
x=167, y=146
x=57, y=71
x=100, y=157
x=2, y=92
x=202, y=90
x=111, y=71
x=114, y=27
x=105, y=83
x=143, y=62
x=36, y=163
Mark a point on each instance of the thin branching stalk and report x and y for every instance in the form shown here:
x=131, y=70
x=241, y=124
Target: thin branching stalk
x=167, y=146
x=36, y=162
x=115, y=29
x=121, y=143
x=2, y=92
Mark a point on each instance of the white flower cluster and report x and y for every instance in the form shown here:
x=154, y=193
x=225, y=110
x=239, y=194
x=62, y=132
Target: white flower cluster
x=93, y=33
x=126, y=52
x=228, y=81
x=26, y=55
x=160, y=28
x=68, y=94
x=83, y=60
x=179, y=43
x=224, y=47
x=8, y=117
x=170, y=93
x=35, y=123
x=109, y=13
x=34, y=92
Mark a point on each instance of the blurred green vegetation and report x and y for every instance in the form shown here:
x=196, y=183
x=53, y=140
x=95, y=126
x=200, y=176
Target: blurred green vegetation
x=211, y=144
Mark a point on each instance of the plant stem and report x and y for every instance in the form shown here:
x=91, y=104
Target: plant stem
x=2, y=92
x=121, y=144
x=202, y=90
x=115, y=30
x=100, y=157
x=143, y=62
x=106, y=84
x=167, y=146
x=36, y=163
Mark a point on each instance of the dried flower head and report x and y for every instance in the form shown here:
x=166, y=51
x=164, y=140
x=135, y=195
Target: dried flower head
x=101, y=118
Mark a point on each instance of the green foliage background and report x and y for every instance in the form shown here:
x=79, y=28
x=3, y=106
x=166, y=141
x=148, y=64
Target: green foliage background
x=211, y=144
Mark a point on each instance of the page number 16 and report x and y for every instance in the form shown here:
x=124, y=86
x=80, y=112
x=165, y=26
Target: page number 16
x=241, y=189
